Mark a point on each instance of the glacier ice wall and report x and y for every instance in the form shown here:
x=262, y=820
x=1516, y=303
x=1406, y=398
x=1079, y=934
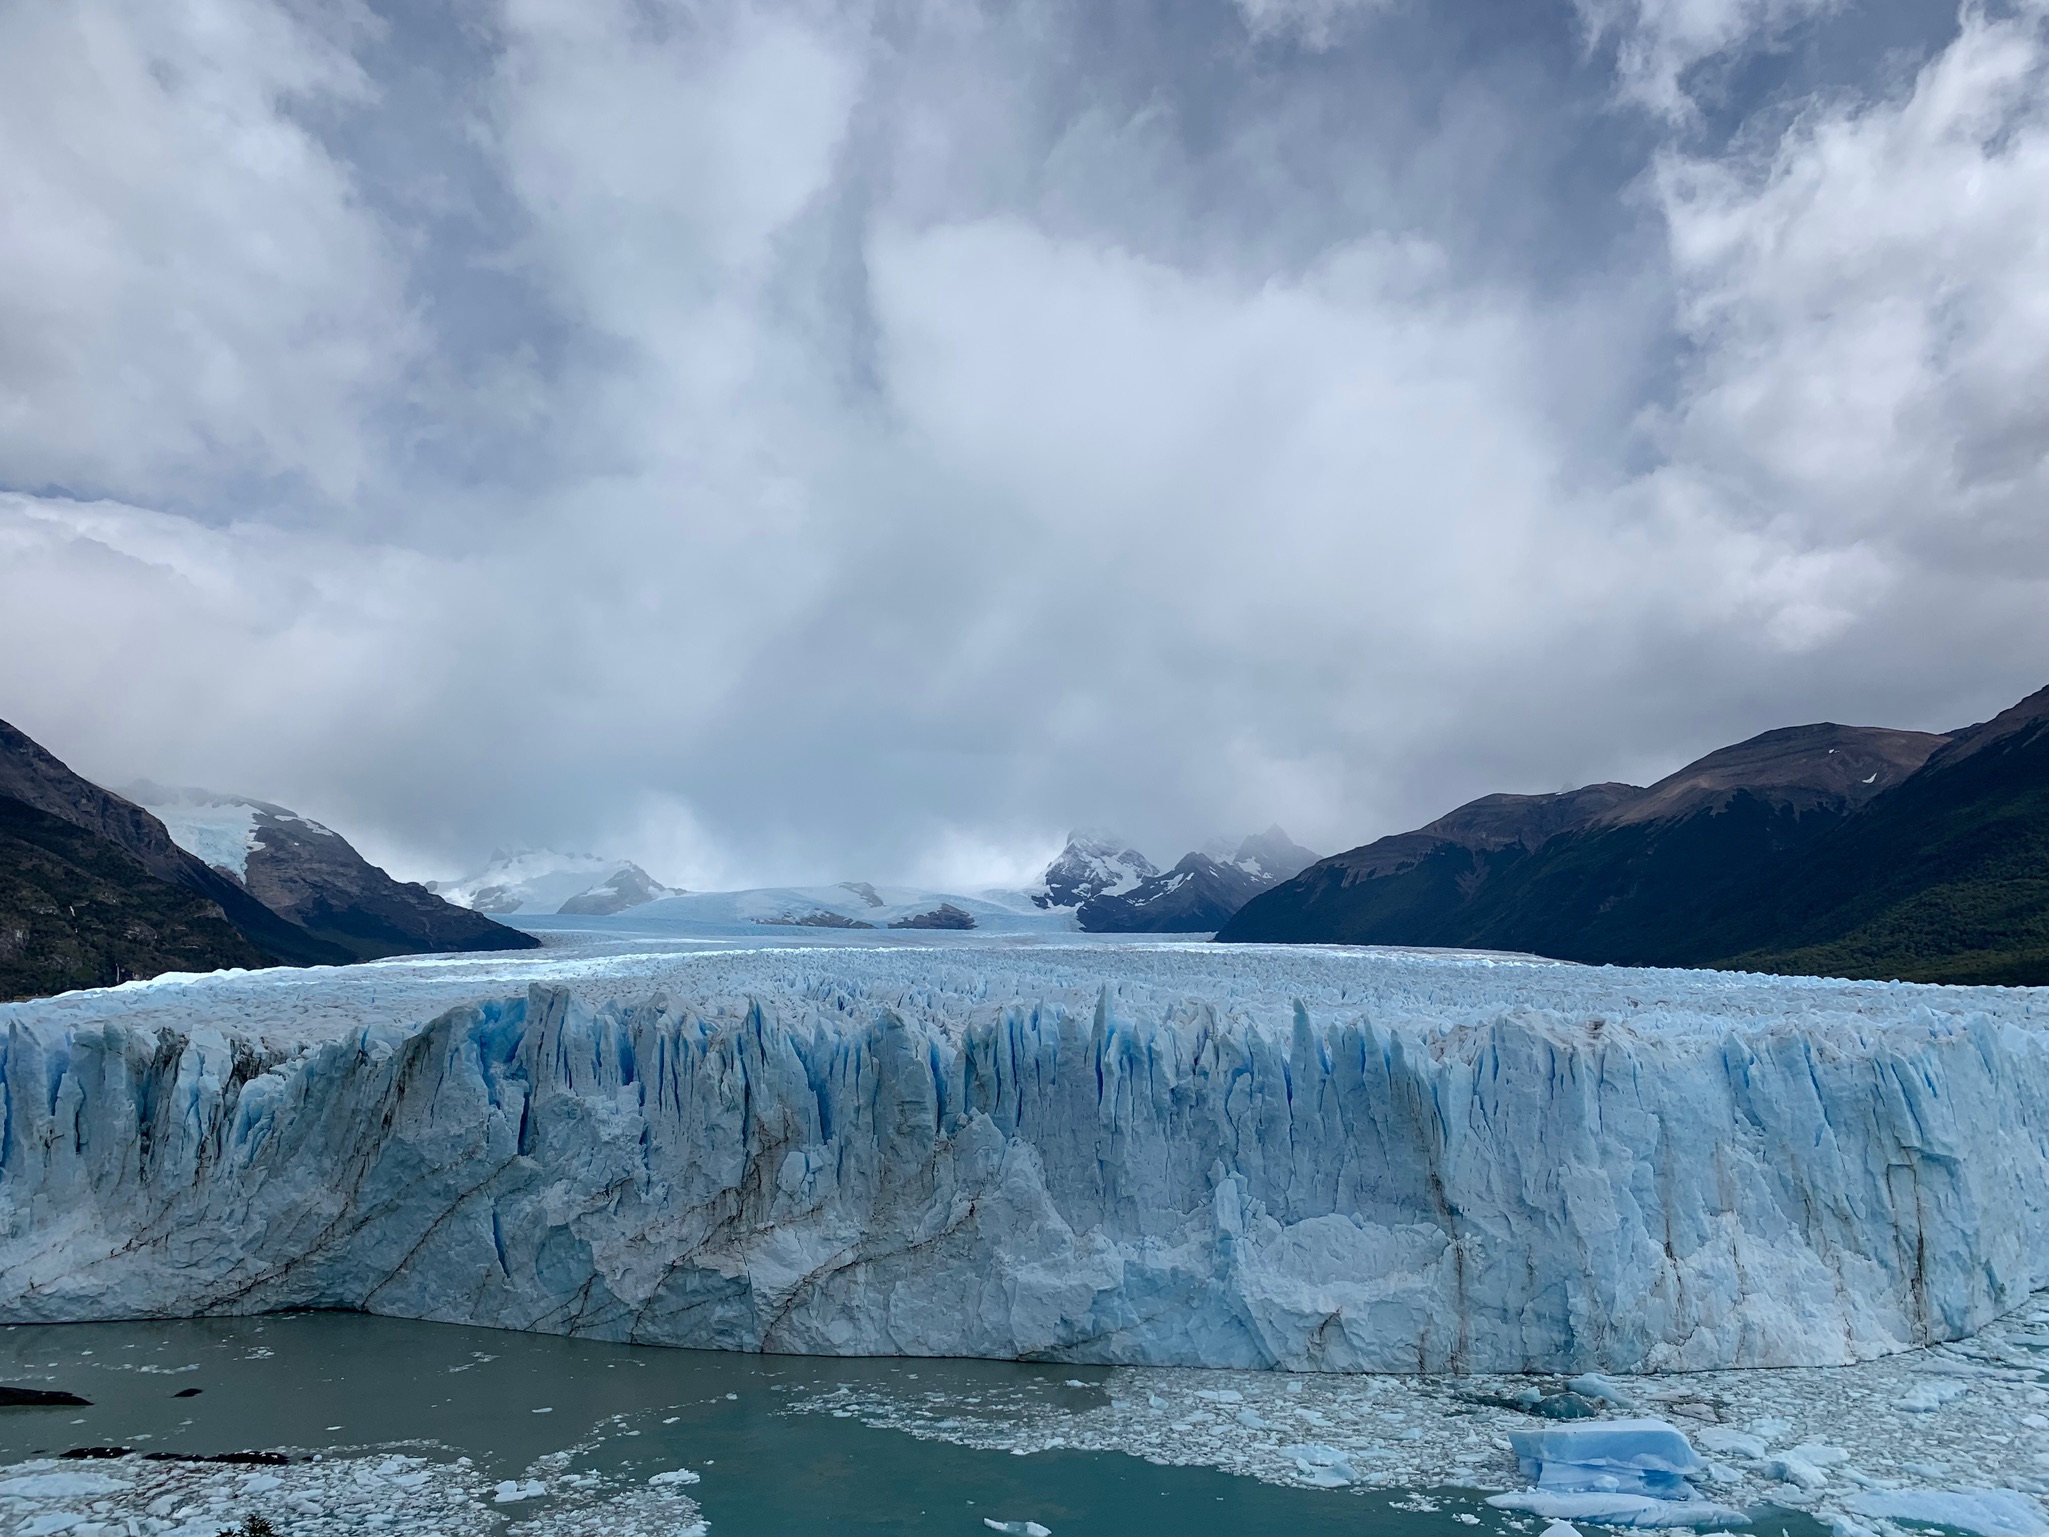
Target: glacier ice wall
x=1167, y=1156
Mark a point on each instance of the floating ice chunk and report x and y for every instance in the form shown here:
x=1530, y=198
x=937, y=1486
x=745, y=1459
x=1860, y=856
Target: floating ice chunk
x=1819, y=1454
x=1637, y=1457
x=1927, y=1397
x=1621, y=1509
x=1221, y=1395
x=1561, y=1529
x=1789, y=1469
x=1770, y=1429
x=58, y=1486
x=1251, y=1420
x=1018, y=1528
x=1324, y=1466
x=1594, y=1385
x=1986, y=1512
x=513, y=1490
x=1725, y=1442
x=674, y=1478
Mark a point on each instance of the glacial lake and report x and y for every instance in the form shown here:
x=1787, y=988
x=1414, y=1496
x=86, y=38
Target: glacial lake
x=353, y=1386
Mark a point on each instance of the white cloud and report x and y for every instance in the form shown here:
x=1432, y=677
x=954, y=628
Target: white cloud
x=1871, y=317
x=1315, y=24
x=896, y=507
x=1658, y=42
x=189, y=290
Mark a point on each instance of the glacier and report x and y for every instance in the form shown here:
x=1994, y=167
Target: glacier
x=1162, y=1154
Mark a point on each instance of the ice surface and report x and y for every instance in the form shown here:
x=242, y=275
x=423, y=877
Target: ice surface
x=1726, y=1442
x=1167, y=1154
x=1645, y=1510
x=1927, y=1397
x=1018, y=1528
x=1987, y=1512
x=331, y=1494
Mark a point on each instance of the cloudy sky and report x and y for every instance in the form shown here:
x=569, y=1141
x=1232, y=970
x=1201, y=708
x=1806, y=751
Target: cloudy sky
x=799, y=440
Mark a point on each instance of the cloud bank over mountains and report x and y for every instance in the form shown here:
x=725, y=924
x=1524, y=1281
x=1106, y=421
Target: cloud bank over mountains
x=790, y=440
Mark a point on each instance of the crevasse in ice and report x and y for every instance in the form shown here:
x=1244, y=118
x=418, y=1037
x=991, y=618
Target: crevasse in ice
x=1173, y=1155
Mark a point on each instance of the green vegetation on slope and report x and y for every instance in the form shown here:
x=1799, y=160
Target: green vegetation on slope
x=1945, y=879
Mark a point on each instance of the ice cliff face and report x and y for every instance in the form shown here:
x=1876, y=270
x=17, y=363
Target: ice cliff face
x=1171, y=1156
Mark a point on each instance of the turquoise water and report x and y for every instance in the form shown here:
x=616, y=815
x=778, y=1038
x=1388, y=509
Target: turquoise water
x=343, y=1383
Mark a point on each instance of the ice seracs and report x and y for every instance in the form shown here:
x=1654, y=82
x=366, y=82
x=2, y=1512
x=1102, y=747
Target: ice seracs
x=1174, y=1155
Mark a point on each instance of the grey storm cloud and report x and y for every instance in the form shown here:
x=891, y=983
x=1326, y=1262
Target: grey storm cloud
x=806, y=440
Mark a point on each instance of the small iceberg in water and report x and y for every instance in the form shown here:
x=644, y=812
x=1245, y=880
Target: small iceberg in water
x=1616, y=1472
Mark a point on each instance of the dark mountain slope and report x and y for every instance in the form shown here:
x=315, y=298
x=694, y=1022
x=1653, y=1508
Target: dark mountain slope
x=1607, y=874
x=1647, y=881
x=1200, y=894
x=35, y=777
x=1091, y=865
x=1414, y=888
x=77, y=910
x=1944, y=879
x=315, y=877
x=1197, y=896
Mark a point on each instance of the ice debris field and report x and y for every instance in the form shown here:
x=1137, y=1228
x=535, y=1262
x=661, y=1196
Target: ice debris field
x=1176, y=1155
x=1955, y=1435
x=323, y=1496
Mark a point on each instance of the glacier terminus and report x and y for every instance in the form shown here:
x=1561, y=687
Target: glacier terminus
x=1142, y=1154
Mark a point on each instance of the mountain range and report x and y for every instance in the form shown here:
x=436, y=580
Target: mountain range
x=95, y=889
x=1197, y=896
x=1849, y=850
x=543, y=881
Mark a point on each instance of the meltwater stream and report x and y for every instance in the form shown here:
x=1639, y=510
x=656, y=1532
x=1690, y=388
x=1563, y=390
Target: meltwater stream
x=358, y=1389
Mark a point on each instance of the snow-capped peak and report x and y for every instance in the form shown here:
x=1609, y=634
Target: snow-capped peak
x=1092, y=865
x=549, y=881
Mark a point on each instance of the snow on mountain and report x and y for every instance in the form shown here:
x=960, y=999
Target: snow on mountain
x=1201, y=893
x=313, y=876
x=849, y=905
x=1166, y=1154
x=1272, y=856
x=1092, y=865
x=544, y=881
x=220, y=829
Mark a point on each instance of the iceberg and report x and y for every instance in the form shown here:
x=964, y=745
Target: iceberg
x=1148, y=1154
x=1639, y=1456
